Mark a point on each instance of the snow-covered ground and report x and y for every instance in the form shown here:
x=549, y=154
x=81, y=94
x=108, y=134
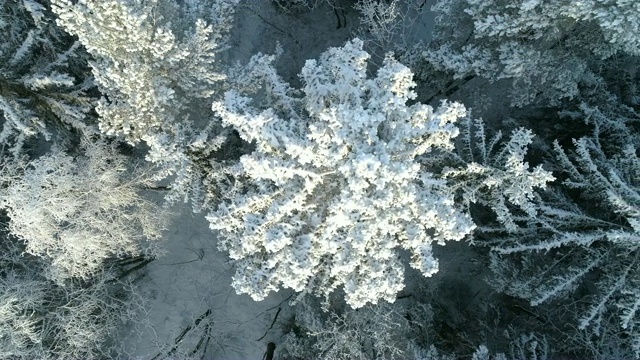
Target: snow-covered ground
x=191, y=280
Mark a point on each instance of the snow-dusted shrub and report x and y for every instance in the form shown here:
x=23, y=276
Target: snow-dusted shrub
x=587, y=230
x=393, y=25
x=372, y=332
x=383, y=331
x=525, y=347
x=333, y=187
x=290, y=5
x=79, y=211
x=155, y=64
x=43, y=75
x=380, y=18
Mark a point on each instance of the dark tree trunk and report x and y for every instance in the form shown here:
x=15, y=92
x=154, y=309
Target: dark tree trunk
x=271, y=348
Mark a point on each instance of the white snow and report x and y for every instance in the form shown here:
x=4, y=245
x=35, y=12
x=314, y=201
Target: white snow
x=190, y=279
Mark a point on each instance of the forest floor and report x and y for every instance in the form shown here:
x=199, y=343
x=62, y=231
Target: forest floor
x=192, y=281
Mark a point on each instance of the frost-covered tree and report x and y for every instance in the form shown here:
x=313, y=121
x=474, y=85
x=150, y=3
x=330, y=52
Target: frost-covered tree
x=148, y=72
x=386, y=331
x=79, y=211
x=43, y=76
x=494, y=173
x=372, y=332
x=155, y=65
x=333, y=188
x=548, y=50
x=42, y=319
x=587, y=230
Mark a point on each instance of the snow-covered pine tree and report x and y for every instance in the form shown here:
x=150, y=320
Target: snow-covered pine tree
x=78, y=212
x=44, y=78
x=155, y=65
x=333, y=188
x=547, y=50
x=42, y=319
x=585, y=237
x=493, y=173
